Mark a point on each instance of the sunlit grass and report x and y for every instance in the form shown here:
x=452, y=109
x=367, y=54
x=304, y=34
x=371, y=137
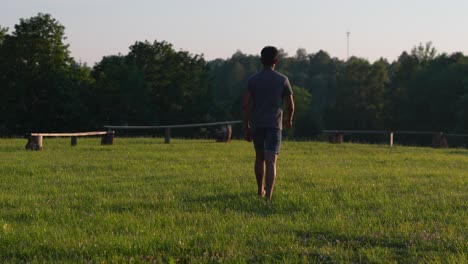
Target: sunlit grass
x=195, y=201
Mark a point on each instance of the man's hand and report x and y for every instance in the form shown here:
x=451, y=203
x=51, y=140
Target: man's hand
x=248, y=135
x=289, y=123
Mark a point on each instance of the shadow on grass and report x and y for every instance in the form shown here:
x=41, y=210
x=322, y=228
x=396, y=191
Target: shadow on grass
x=96, y=149
x=12, y=148
x=400, y=247
x=13, y=216
x=136, y=206
x=459, y=152
x=244, y=202
x=330, y=237
x=160, y=141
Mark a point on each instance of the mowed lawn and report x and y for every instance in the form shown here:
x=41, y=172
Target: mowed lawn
x=194, y=201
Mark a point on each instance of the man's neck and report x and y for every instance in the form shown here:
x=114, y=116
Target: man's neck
x=270, y=68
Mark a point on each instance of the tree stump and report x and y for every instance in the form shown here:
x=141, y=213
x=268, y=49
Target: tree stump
x=224, y=133
x=439, y=141
x=34, y=143
x=108, y=139
x=336, y=138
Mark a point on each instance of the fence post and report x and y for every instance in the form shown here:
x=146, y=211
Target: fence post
x=336, y=138
x=391, y=138
x=167, y=135
x=224, y=133
x=439, y=140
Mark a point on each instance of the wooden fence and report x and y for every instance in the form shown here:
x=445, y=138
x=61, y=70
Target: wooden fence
x=224, y=132
x=439, y=139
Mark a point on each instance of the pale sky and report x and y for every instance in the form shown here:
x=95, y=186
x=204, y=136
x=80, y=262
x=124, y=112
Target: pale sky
x=218, y=28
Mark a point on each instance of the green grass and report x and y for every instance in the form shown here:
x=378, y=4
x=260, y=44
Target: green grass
x=195, y=201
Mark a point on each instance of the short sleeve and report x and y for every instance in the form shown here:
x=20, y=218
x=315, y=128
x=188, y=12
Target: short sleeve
x=287, y=90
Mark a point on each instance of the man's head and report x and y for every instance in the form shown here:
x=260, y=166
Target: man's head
x=269, y=56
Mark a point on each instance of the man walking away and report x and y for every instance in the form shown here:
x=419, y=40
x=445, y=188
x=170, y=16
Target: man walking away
x=263, y=122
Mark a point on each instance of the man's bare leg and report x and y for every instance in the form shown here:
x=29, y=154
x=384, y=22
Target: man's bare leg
x=270, y=160
x=260, y=172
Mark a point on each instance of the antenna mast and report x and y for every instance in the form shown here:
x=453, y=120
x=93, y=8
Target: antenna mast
x=347, y=46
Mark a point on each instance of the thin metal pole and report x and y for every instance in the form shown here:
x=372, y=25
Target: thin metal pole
x=347, y=46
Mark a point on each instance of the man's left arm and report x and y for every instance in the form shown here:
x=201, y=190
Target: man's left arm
x=246, y=115
x=290, y=109
x=288, y=97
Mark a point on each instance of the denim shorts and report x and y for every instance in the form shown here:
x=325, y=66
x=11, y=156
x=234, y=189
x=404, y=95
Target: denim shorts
x=267, y=139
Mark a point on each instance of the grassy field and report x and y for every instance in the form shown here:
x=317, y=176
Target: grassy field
x=195, y=201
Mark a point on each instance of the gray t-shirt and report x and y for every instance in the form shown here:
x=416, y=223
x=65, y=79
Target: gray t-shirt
x=267, y=89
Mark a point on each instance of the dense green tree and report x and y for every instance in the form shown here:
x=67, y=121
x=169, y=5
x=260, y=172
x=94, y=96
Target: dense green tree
x=36, y=83
x=3, y=34
x=432, y=94
x=121, y=95
x=322, y=82
x=177, y=81
x=426, y=90
x=462, y=112
x=360, y=100
x=424, y=53
x=229, y=78
x=306, y=120
x=298, y=66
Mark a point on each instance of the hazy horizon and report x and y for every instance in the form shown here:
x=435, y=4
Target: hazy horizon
x=218, y=29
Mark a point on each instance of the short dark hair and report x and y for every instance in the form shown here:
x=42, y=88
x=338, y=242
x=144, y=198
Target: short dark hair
x=269, y=55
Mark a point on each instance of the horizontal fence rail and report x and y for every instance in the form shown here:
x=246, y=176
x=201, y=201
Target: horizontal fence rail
x=167, y=128
x=388, y=132
x=355, y=131
x=417, y=132
x=439, y=139
x=174, y=126
x=456, y=135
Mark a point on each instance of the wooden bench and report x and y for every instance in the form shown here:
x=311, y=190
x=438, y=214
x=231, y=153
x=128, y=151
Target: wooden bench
x=35, y=139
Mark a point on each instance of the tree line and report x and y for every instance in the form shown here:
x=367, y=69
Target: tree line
x=42, y=88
